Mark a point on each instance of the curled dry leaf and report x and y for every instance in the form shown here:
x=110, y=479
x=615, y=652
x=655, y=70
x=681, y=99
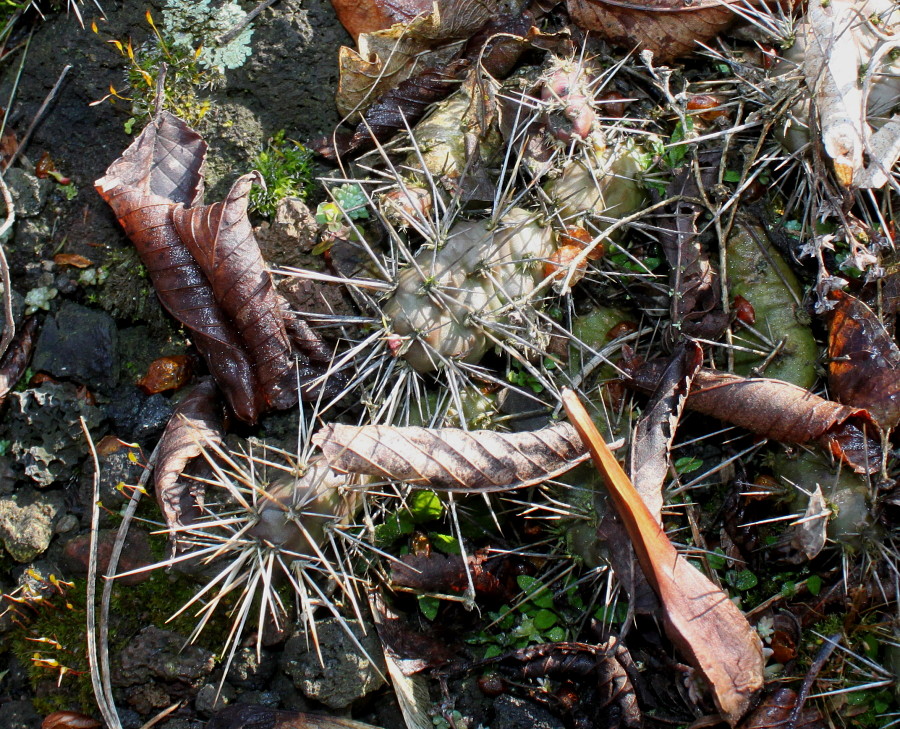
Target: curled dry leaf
x=696, y=300
x=250, y=716
x=161, y=169
x=15, y=360
x=195, y=422
x=863, y=361
x=72, y=259
x=669, y=28
x=221, y=240
x=777, y=410
x=705, y=626
x=367, y=16
x=775, y=710
x=68, y=720
x=649, y=465
x=448, y=575
x=452, y=459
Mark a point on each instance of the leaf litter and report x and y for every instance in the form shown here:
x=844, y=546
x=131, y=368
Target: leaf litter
x=553, y=125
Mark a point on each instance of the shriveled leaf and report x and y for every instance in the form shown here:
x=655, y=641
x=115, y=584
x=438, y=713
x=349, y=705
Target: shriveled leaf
x=72, y=259
x=863, y=361
x=68, y=720
x=449, y=458
x=696, y=301
x=15, y=360
x=221, y=240
x=367, y=16
x=250, y=716
x=705, y=626
x=449, y=574
x=195, y=422
x=669, y=28
x=777, y=410
x=656, y=428
x=161, y=169
x=775, y=710
x=414, y=651
x=384, y=58
x=811, y=532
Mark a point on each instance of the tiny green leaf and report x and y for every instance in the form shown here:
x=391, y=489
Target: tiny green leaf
x=429, y=606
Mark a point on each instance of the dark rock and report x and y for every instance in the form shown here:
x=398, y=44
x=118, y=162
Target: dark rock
x=182, y=722
x=7, y=475
x=18, y=715
x=79, y=344
x=269, y=699
x=26, y=522
x=235, y=135
x=161, y=654
x=135, y=554
x=249, y=671
x=130, y=719
x=511, y=712
x=148, y=698
x=211, y=698
x=29, y=193
x=136, y=416
x=120, y=465
x=289, y=697
x=345, y=673
x=315, y=297
x=45, y=429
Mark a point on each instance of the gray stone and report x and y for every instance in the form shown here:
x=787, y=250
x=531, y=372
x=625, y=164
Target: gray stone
x=29, y=193
x=79, y=344
x=344, y=674
x=293, y=232
x=45, y=429
x=161, y=654
x=68, y=523
x=26, y=522
x=210, y=698
x=511, y=712
x=18, y=715
x=249, y=671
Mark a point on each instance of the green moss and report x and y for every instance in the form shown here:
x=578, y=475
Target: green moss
x=52, y=645
x=286, y=166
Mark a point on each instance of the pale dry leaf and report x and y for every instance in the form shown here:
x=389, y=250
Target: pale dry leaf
x=810, y=532
x=452, y=459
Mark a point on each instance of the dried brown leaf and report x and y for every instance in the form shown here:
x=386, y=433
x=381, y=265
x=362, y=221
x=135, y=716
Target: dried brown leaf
x=669, y=28
x=700, y=620
x=15, y=360
x=195, y=422
x=777, y=410
x=492, y=578
x=449, y=458
x=367, y=16
x=68, y=720
x=863, y=361
x=163, y=168
x=655, y=430
x=696, y=299
x=774, y=712
x=250, y=716
x=220, y=238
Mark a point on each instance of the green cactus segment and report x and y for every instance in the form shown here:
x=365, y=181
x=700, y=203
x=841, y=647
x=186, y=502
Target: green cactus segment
x=757, y=272
x=444, y=298
x=609, y=190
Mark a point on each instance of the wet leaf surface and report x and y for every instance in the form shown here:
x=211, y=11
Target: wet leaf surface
x=775, y=710
x=705, y=626
x=863, y=361
x=450, y=458
x=195, y=422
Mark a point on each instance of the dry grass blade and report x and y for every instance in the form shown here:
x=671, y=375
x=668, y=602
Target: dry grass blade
x=450, y=458
x=705, y=626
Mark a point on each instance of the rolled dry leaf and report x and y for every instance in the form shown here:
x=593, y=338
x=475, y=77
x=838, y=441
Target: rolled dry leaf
x=68, y=720
x=220, y=238
x=777, y=410
x=863, y=361
x=161, y=170
x=195, y=421
x=451, y=459
x=15, y=360
x=669, y=28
